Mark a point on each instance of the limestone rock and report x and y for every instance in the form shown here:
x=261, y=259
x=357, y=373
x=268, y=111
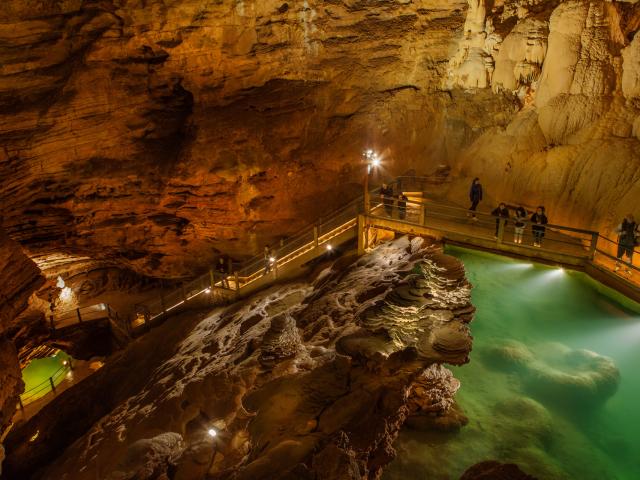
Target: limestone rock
x=281, y=341
x=492, y=470
x=321, y=396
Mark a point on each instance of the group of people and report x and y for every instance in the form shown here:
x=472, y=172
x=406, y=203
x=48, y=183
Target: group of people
x=628, y=230
x=388, y=199
x=538, y=219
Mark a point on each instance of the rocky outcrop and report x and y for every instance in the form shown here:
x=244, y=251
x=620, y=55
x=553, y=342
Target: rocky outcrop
x=492, y=470
x=305, y=380
x=19, y=278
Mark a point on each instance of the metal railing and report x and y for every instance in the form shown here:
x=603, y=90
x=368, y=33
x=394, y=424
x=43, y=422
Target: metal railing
x=579, y=243
x=45, y=387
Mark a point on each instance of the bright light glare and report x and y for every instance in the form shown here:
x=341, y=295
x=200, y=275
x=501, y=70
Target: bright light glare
x=376, y=162
x=329, y=247
x=208, y=290
x=60, y=283
x=212, y=432
x=65, y=295
x=271, y=259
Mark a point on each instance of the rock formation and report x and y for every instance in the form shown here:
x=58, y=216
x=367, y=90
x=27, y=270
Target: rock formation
x=304, y=380
x=560, y=374
x=19, y=278
x=151, y=135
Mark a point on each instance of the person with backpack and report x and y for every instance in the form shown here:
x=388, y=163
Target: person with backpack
x=501, y=211
x=402, y=206
x=520, y=224
x=628, y=236
x=475, y=195
x=538, y=220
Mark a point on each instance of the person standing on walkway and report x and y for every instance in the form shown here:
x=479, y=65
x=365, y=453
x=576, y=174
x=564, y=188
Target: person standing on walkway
x=221, y=268
x=629, y=234
x=475, y=195
x=539, y=220
x=267, y=259
x=500, y=212
x=402, y=206
x=386, y=193
x=521, y=216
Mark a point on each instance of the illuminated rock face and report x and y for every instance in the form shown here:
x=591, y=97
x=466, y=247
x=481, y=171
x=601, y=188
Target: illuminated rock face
x=19, y=278
x=311, y=379
x=153, y=134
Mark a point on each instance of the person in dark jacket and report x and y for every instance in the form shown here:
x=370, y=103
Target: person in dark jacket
x=501, y=212
x=221, y=269
x=520, y=224
x=629, y=234
x=402, y=205
x=538, y=220
x=386, y=195
x=475, y=195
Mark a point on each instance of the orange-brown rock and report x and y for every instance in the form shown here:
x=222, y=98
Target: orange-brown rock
x=153, y=134
x=19, y=278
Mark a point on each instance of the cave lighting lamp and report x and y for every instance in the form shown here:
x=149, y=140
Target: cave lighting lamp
x=212, y=432
x=207, y=290
x=329, y=247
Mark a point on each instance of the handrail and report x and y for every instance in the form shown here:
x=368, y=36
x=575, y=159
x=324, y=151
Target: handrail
x=309, y=237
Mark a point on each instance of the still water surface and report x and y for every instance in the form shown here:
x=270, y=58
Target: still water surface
x=553, y=384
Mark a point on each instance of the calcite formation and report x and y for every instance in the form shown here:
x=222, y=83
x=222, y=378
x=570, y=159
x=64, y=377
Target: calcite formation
x=153, y=135
x=19, y=278
x=305, y=380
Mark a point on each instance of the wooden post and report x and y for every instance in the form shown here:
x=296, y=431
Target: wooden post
x=501, y=224
x=79, y=316
x=315, y=235
x=237, y=280
x=212, y=279
x=53, y=386
x=594, y=245
x=164, y=307
x=362, y=235
x=423, y=214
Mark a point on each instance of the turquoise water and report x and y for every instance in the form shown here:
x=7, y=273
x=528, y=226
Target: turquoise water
x=37, y=373
x=532, y=394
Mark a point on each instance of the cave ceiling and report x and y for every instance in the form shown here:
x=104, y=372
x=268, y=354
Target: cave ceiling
x=154, y=134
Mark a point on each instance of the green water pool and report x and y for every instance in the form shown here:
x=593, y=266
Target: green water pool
x=37, y=373
x=553, y=383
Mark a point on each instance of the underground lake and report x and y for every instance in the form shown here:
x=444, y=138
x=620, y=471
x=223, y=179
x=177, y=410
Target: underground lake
x=553, y=382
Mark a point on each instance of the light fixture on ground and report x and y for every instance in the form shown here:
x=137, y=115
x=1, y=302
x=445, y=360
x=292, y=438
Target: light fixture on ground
x=329, y=247
x=207, y=290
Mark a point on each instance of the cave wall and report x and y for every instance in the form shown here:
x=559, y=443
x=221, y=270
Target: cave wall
x=153, y=134
x=19, y=278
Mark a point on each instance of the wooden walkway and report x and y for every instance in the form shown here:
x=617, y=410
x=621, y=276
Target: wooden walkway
x=569, y=247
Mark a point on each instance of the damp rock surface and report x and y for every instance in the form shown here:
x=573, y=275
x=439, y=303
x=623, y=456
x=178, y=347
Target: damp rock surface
x=298, y=379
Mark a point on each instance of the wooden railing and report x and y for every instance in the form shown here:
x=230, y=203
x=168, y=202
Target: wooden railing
x=450, y=221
